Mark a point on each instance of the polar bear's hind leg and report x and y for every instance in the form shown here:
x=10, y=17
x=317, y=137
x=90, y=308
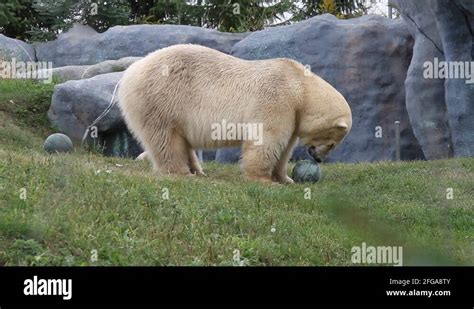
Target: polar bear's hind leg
x=169, y=153
x=194, y=163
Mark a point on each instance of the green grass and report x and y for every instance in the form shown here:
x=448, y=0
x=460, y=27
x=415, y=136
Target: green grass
x=71, y=209
x=27, y=102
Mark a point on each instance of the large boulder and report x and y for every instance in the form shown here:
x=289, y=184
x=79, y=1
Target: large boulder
x=76, y=104
x=441, y=110
x=75, y=72
x=69, y=72
x=366, y=59
x=109, y=66
x=82, y=45
x=19, y=50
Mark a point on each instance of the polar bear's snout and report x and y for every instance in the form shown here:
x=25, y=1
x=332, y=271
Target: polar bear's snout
x=313, y=153
x=319, y=153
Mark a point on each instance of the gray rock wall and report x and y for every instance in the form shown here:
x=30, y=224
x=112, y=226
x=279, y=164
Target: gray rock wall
x=11, y=48
x=441, y=110
x=83, y=46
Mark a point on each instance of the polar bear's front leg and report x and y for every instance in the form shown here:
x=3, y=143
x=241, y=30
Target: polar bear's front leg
x=280, y=172
x=261, y=157
x=259, y=161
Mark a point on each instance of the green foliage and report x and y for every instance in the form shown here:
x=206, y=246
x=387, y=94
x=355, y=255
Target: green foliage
x=178, y=12
x=25, y=252
x=42, y=20
x=16, y=17
x=340, y=8
x=239, y=16
x=55, y=16
x=247, y=16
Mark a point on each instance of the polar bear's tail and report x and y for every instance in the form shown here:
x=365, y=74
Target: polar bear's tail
x=104, y=113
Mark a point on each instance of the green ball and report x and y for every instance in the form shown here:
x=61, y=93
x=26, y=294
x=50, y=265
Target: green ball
x=306, y=171
x=58, y=142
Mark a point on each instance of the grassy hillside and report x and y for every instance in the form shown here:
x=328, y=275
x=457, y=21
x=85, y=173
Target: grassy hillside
x=80, y=205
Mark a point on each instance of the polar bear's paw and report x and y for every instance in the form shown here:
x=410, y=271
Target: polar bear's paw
x=285, y=180
x=200, y=173
x=142, y=156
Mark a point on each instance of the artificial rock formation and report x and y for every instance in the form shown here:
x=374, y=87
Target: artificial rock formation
x=441, y=109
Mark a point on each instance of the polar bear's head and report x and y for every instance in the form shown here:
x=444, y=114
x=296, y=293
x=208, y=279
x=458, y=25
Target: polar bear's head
x=325, y=118
x=322, y=142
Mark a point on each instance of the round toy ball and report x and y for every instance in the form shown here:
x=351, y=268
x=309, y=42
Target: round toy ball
x=58, y=142
x=306, y=171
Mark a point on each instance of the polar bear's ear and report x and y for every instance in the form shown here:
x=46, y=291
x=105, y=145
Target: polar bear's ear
x=341, y=124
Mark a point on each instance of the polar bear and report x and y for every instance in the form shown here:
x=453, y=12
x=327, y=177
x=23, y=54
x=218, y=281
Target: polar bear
x=173, y=99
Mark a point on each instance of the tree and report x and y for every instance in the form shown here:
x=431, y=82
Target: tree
x=242, y=15
x=55, y=16
x=340, y=8
x=245, y=15
x=15, y=18
x=224, y=15
x=42, y=20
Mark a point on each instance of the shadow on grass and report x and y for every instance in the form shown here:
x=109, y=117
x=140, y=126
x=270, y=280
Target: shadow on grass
x=376, y=232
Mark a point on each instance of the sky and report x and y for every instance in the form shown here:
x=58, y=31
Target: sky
x=379, y=7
